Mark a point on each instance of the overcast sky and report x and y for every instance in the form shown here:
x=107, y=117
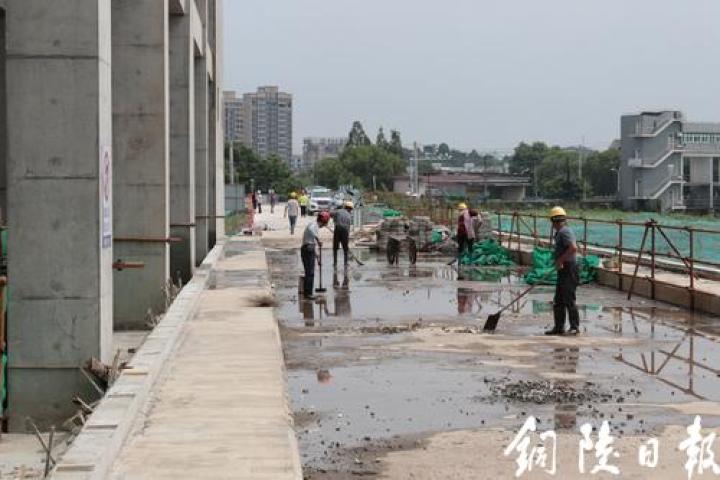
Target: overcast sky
x=482, y=74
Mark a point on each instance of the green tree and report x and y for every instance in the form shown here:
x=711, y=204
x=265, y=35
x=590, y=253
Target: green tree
x=527, y=159
x=557, y=175
x=600, y=169
x=443, y=150
x=381, y=141
x=365, y=166
x=357, y=136
x=395, y=146
x=263, y=173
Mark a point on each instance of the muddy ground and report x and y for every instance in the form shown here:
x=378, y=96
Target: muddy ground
x=390, y=376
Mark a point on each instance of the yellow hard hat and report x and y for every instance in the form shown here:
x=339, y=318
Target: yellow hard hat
x=462, y=206
x=558, y=212
x=349, y=204
x=293, y=195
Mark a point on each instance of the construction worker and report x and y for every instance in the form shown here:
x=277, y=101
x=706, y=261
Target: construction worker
x=465, y=229
x=341, y=236
x=311, y=238
x=303, y=200
x=568, y=275
x=292, y=209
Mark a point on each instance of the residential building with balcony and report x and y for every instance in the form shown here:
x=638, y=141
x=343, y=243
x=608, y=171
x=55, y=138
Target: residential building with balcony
x=668, y=163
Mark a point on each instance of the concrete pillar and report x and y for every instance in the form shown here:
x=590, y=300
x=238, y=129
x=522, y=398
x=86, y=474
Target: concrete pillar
x=3, y=122
x=216, y=190
x=60, y=202
x=201, y=160
x=141, y=144
x=182, y=147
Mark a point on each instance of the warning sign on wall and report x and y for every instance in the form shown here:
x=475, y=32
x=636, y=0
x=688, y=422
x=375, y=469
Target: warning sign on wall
x=106, y=195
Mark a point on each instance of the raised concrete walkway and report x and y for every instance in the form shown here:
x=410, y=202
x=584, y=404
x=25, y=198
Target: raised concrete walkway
x=206, y=395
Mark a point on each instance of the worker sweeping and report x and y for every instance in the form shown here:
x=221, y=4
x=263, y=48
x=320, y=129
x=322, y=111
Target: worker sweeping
x=465, y=229
x=341, y=236
x=292, y=209
x=568, y=275
x=311, y=238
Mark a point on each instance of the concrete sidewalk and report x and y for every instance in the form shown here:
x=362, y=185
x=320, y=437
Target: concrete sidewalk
x=205, y=396
x=220, y=409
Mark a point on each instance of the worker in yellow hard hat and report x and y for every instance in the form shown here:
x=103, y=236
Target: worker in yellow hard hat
x=568, y=276
x=341, y=235
x=465, y=233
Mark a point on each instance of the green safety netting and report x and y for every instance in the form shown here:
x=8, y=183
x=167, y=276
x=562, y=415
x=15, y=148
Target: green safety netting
x=543, y=268
x=389, y=212
x=436, y=236
x=487, y=252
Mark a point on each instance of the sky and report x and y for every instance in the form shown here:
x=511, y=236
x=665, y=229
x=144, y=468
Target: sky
x=482, y=74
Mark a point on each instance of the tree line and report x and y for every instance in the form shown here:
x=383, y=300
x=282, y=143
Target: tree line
x=364, y=164
x=555, y=171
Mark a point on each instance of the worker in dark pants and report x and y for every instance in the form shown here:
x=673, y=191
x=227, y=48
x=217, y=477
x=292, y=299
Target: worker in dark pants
x=568, y=275
x=341, y=236
x=311, y=238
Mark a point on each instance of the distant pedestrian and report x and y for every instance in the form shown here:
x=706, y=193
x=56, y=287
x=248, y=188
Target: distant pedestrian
x=292, y=209
x=304, y=200
x=273, y=199
x=568, y=275
x=311, y=238
x=254, y=201
x=341, y=236
x=465, y=229
x=258, y=197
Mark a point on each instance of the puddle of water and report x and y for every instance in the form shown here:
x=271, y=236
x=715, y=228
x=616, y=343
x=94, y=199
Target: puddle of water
x=342, y=371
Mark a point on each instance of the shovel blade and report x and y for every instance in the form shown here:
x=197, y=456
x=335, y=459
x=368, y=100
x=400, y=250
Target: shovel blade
x=491, y=322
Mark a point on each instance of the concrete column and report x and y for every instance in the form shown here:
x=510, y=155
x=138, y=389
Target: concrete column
x=3, y=122
x=60, y=202
x=141, y=134
x=201, y=160
x=216, y=190
x=182, y=147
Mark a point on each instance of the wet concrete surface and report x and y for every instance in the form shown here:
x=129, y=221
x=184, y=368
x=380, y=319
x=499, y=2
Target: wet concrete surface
x=390, y=355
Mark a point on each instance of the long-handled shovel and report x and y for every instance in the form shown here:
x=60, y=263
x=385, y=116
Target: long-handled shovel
x=494, y=318
x=320, y=288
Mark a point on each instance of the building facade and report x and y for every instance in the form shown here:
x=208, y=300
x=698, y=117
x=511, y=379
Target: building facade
x=233, y=116
x=124, y=164
x=317, y=148
x=266, y=122
x=668, y=163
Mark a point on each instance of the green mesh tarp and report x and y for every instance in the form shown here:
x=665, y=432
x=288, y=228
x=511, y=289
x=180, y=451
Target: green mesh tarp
x=485, y=253
x=389, y=213
x=543, y=268
x=436, y=236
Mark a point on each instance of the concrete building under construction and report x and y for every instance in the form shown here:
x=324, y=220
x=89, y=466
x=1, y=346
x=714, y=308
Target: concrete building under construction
x=111, y=157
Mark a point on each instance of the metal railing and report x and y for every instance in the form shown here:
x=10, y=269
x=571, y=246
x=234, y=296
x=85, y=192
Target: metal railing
x=662, y=246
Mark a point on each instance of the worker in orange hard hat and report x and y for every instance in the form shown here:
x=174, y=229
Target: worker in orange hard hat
x=568, y=276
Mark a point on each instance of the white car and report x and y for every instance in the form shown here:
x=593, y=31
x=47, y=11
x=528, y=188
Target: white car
x=321, y=199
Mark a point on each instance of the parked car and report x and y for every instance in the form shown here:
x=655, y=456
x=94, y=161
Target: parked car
x=321, y=198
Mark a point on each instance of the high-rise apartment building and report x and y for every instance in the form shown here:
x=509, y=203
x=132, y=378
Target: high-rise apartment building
x=262, y=121
x=233, y=107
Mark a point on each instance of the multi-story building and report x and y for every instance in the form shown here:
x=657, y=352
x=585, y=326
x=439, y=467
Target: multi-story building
x=234, y=124
x=266, y=124
x=668, y=163
x=317, y=148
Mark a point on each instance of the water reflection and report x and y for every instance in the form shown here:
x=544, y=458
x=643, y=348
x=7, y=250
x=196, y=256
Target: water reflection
x=684, y=353
x=565, y=363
